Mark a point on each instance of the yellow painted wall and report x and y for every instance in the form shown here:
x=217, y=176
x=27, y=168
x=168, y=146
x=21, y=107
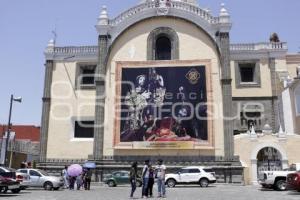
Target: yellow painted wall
x=66, y=105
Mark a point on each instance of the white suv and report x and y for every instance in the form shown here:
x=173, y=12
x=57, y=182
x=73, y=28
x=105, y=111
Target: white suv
x=191, y=175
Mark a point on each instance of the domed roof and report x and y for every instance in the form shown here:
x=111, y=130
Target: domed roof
x=195, y=2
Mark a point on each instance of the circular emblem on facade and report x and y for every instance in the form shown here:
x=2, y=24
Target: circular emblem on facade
x=193, y=76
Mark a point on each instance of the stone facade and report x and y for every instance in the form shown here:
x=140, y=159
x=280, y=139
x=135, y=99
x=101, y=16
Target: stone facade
x=196, y=37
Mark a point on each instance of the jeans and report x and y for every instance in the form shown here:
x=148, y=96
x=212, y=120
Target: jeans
x=161, y=187
x=66, y=182
x=87, y=184
x=145, y=186
x=150, y=187
x=133, y=187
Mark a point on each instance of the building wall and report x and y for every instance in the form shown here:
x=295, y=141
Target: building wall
x=265, y=90
x=132, y=46
x=67, y=105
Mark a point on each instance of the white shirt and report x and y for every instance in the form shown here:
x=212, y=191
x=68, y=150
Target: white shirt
x=161, y=171
x=145, y=173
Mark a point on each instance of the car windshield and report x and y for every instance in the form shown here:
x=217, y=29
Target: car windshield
x=9, y=169
x=43, y=173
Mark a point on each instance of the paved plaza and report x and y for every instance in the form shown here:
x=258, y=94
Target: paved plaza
x=216, y=192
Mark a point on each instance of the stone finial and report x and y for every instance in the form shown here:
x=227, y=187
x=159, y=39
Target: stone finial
x=103, y=18
x=253, y=134
x=224, y=15
x=50, y=46
x=51, y=43
x=281, y=133
x=267, y=129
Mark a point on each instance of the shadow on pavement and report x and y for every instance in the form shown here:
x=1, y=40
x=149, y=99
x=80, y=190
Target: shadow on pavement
x=294, y=193
x=8, y=195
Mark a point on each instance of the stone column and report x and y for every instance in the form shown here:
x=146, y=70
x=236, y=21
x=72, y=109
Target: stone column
x=224, y=43
x=100, y=97
x=46, y=110
x=275, y=104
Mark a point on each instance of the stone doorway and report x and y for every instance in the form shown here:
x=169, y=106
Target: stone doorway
x=267, y=156
x=269, y=159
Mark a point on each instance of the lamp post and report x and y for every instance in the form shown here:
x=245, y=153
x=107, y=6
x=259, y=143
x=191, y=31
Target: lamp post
x=12, y=99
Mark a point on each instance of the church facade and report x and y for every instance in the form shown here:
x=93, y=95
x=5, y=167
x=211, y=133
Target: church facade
x=165, y=82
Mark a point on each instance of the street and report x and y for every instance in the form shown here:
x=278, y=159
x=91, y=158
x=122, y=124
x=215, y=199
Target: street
x=215, y=192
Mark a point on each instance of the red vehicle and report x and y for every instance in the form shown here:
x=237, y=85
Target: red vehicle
x=293, y=181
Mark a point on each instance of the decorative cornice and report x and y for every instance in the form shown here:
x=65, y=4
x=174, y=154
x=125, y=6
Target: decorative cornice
x=193, y=13
x=72, y=53
x=261, y=50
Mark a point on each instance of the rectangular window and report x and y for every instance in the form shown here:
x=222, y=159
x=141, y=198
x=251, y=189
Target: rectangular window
x=247, y=72
x=85, y=76
x=84, y=129
x=88, y=75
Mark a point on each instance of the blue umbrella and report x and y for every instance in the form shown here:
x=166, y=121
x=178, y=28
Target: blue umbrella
x=89, y=165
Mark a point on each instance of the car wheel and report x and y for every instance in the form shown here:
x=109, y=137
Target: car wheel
x=203, y=182
x=139, y=183
x=171, y=183
x=111, y=184
x=16, y=191
x=281, y=185
x=48, y=186
x=4, y=190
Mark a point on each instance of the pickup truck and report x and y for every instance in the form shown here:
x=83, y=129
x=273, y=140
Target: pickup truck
x=8, y=182
x=277, y=179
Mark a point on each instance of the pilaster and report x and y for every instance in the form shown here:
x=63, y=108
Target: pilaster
x=224, y=44
x=100, y=97
x=46, y=110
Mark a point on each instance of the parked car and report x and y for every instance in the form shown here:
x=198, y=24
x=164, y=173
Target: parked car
x=22, y=178
x=8, y=182
x=293, y=181
x=119, y=178
x=192, y=175
x=276, y=179
x=40, y=178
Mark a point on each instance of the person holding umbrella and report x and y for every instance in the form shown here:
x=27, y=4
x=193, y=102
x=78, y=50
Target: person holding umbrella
x=88, y=174
x=73, y=171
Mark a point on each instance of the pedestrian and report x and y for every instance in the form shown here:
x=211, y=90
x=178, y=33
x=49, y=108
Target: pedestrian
x=160, y=175
x=79, y=181
x=72, y=180
x=151, y=181
x=65, y=176
x=133, y=177
x=87, y=179
x=145, y=176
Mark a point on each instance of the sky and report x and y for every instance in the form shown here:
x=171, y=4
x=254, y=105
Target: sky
x=26, y=26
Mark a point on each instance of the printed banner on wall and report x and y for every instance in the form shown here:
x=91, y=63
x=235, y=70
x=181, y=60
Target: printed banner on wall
x=163, y=107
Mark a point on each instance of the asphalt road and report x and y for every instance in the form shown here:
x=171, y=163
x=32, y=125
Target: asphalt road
x=215, y=192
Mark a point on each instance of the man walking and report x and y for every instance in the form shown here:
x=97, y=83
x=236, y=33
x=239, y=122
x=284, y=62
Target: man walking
x=145, y=176
x=160, y=174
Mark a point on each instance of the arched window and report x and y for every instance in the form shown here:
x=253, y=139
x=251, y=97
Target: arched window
x=163, y=44
x=163, y=48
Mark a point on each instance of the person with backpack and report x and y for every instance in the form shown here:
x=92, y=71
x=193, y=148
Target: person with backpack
x=145, y=176
x=160, y=175
x=133, y=177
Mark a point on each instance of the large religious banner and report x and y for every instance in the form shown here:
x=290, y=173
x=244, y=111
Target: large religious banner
x=162, y=106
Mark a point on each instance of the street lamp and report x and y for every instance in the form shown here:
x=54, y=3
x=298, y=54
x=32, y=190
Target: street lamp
x=12, y=99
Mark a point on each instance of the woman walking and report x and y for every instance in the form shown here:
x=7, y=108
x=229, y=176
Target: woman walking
x=133, y=177
x=145, y=176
